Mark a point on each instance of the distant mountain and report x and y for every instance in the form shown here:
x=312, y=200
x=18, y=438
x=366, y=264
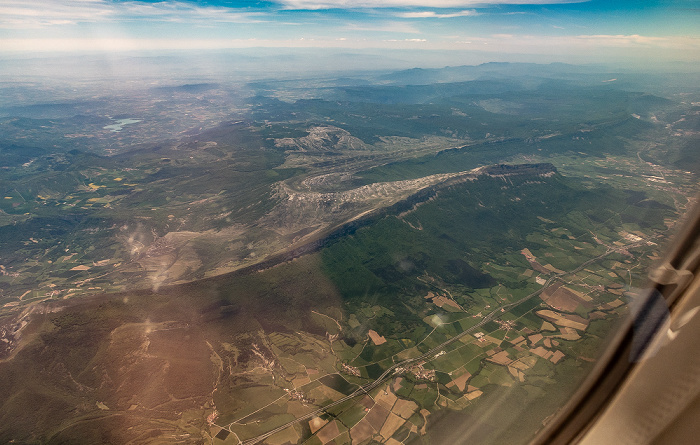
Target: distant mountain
x=421, y=76
x=422, y=93
x=192, y=88
x=14, y=155
x=52, y=110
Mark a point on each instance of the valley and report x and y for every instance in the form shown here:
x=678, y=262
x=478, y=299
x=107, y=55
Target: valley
x=346, y=264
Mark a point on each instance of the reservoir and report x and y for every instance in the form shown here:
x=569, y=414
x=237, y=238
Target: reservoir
x=120, y=123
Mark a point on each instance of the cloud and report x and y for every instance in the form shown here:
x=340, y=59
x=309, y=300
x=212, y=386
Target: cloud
x=572, y=49
x=392, y=41
x=433, y=14
x=362, y=4
x=24, y=14
x=580, y=42
x=185, y=11
x=68, y=45
x=130, y=44
x=633, y=39
x=395, y=27
x=44, y=13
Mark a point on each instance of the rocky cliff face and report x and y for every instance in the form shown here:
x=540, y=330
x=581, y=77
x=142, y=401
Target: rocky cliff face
x=325, y=138
x=312, y=220
x=298, y=210
x=503, y=170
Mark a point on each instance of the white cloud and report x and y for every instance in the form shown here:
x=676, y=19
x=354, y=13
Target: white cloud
x=405, y=40
x=119, y=44
x=361, y=4
x=395, y=27
x=634, y=39
x=436, y=15
x=572, y=49
x=67, y=45
x=43, y=13
x=22, y=14
x=512, y=42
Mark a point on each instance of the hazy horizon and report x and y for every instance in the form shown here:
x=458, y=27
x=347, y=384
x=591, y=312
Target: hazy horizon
x=542, y=31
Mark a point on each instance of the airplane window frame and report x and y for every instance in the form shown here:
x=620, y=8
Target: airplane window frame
x=616, y=363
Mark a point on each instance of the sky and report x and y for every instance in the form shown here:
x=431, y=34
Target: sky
x=660, y=30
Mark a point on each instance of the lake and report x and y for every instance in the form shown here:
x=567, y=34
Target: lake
x=120, y=123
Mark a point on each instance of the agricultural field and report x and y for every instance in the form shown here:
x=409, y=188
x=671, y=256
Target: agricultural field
x=346, y=264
